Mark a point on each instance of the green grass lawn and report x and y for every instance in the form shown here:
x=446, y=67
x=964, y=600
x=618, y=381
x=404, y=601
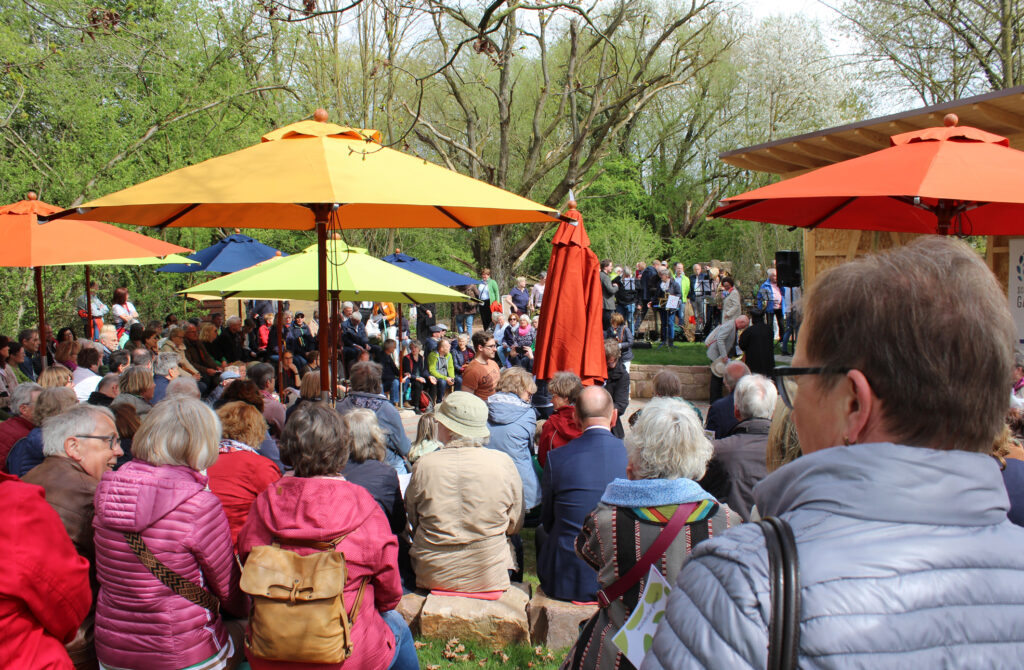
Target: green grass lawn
x=683, y=353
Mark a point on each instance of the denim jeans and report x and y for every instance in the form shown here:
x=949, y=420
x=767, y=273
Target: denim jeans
x=396, y=390
x=405, y=651
x=668, y=328
x=628, y=312
x=464, y=323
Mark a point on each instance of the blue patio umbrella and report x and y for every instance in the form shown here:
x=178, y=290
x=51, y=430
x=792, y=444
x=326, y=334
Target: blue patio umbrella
x=233, y=253
x=431, y=272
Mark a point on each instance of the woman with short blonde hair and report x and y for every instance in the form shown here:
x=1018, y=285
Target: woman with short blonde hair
x=137, y=386
x=366, y=467
x=55, y=376
x=159, y=502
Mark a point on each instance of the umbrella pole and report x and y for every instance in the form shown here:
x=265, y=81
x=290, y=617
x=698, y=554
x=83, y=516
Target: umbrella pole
x=335, y=344
x=321, y=212
x=279, y=324
x=88, y=306
x=42, y=314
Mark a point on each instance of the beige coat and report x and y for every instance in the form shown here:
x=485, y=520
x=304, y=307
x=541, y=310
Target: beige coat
x=463, y=503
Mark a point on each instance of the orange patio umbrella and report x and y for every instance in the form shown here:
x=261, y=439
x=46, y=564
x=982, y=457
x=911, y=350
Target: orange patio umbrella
x=951, y=180
x=315, y=175
x=29, y=243
x=569, y=334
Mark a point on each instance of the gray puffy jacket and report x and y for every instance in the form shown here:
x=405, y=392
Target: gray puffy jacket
x=907, y=560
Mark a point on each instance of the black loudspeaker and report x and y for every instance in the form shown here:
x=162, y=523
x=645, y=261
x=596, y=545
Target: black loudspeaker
x=787, y=265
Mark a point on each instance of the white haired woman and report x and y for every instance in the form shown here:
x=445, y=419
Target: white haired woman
x=668, y=453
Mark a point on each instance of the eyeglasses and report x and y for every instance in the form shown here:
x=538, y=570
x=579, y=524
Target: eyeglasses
x=492, y=345
x=787, y=385
x=109, y=439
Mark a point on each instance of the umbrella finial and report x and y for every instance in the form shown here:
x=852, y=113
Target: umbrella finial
x=320, y=115
x=277, y=253
x=950, y=120
x=31, y=195
x=571, y=204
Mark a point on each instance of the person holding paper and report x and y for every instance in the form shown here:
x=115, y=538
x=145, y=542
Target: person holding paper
x=667, y=452
x=668, y=298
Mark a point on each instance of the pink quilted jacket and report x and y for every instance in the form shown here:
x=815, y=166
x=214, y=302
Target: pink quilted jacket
x=140, y=623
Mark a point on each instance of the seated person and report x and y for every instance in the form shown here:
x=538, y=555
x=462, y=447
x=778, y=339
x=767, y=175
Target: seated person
x=463, y=503
x=317, y=504
x=137, y=389
x=240, y=473
x=561, y=427
x=367, y=468
x=574, y=480
x=44, y=582
x=668, y=453
x=518, y=343
x=440, y=370
x=80, y=445
x=27, y=452
x=512, y=423
x=366, y=393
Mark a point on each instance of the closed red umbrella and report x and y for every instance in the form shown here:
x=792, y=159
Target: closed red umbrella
x=570, y=336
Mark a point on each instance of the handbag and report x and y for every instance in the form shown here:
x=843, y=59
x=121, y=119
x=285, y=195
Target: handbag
x=185, y=588
x=784, y=579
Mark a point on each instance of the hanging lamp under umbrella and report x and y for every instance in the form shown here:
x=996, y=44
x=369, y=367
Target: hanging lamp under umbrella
x=315, y=175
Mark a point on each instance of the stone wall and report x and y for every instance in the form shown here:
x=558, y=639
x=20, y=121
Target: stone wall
x=695, y=380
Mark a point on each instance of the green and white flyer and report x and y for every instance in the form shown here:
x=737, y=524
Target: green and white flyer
x=637, y=635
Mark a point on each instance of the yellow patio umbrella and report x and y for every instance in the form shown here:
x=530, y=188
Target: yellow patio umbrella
x=315, y=175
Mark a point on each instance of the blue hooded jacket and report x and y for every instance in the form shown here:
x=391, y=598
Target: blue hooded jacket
x=512, y=423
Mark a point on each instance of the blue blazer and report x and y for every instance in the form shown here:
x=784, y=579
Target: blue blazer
x=574, y=480
x=721, y=417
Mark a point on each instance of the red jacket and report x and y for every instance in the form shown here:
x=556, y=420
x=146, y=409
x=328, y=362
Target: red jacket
x=237, y=478
x=321, y=508
x=11, y=431
x=44, y=583
x=558, y=431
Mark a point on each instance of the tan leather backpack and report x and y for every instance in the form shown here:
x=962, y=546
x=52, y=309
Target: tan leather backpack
x=299, y=609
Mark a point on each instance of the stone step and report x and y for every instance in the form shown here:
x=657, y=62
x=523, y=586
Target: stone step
x=493, y=622
x=556, y=623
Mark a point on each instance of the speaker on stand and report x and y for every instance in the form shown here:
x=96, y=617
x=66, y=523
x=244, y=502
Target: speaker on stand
x=787, y=267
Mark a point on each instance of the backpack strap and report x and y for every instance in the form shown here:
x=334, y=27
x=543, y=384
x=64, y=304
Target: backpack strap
x=319, y=545
x=185, y=588
x=784, y=580
x=606, y=597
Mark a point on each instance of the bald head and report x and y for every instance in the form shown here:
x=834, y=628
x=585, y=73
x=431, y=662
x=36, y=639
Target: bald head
x=742, y=322
x=734, y=372
x=594, y=407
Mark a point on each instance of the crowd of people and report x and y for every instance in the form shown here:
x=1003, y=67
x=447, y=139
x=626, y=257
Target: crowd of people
x=169, y=508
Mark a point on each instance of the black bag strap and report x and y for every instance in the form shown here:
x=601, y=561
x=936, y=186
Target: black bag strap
x=784, y=580
x=185, y=588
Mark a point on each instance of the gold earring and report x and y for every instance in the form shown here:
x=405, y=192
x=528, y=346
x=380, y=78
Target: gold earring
x=846, y=441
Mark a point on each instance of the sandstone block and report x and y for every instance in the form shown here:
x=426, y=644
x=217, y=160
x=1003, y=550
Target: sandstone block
x=493, y=622
x=556, y=623
x=409, y=607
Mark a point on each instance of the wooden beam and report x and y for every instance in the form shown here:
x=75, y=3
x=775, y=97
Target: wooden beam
x=848, y=146
x=800, y=159
x=770, y=164
x=819, y=150
x=1000, y=115
x=903, y=126
x=873, y=136
x=741, y=162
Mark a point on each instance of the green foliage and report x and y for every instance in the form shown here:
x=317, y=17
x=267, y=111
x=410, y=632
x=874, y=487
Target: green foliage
x=455, y=654
x=683, y=353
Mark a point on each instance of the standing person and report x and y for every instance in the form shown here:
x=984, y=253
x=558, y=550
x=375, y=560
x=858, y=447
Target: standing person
x=487, y=291
x=520, y=296
x=681, y=317
x=621, y=333
x=425, y=320
x=667, y=289
x=626, y=296
x=537, y=293
x=574, y=480
x=93, y=312
x=122, y=310
x=721, y=344
x=892, y=429
x=617, y=384
x=647, y=281
x=701, y=289
x=771, y=301
x=159, y=503
x=481, y=374
x=792, y=299
x=465, y=311
x=608, y=291
x=756, y=342
x=317, y=506
x=731, y=305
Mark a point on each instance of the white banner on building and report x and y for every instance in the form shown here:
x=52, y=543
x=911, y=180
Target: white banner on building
x=1015, y=291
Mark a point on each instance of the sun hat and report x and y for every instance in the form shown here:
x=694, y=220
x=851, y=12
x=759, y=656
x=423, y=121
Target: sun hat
x=463, y=413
